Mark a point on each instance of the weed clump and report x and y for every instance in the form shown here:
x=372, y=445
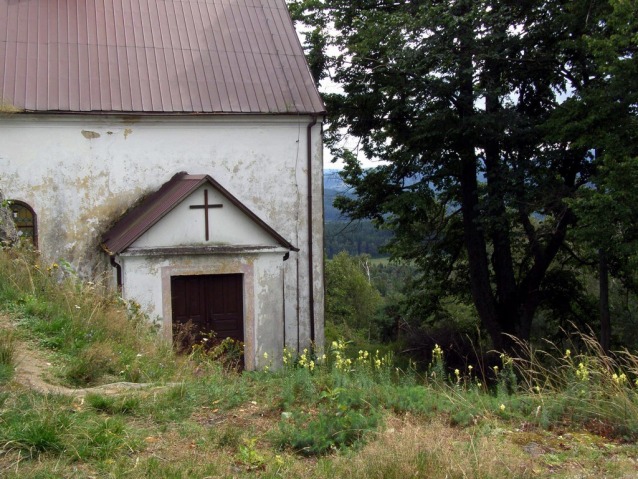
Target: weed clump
x=7, y=356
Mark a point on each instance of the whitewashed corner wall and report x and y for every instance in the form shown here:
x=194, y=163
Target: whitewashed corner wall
x=80, y=173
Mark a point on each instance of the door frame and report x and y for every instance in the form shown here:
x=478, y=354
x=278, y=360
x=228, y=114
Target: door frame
x=224, y=267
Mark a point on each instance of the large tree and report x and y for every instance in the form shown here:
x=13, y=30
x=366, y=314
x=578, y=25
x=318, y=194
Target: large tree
x=603, y=115
x=465, y=101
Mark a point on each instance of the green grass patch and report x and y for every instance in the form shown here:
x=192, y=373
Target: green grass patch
x=99, y=337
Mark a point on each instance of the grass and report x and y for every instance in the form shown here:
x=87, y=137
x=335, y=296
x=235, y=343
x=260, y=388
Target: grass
x=7, y=356
x=96, y=336
x=349, y=414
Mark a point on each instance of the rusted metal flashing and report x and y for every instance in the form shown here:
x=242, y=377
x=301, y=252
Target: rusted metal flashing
x=150, y=211
x=310, y=259
x=200, y=250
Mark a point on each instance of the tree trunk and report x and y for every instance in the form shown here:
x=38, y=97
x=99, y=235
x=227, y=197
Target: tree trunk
x=478, y=263
x=605, y=317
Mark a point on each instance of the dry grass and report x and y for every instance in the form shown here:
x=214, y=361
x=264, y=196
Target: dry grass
x=219, y=423
x=410, y=447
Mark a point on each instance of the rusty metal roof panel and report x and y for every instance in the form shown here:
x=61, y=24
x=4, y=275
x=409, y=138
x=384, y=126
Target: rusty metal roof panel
x=138, y=220
x=155, y=56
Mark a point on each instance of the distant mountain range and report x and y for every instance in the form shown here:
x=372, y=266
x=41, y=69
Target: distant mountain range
x=358, y=237
x=333, y=185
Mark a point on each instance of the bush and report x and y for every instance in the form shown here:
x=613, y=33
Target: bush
x=342, y=421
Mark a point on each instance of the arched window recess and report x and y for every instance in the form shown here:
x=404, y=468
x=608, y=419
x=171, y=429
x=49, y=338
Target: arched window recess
x=26, y=221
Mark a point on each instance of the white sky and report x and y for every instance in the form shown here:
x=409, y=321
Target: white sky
x=328, y=86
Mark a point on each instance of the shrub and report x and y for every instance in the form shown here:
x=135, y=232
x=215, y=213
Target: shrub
x=331, y=429
x=343, y=419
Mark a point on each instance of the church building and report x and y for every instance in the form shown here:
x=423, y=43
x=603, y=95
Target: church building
x=174, y=146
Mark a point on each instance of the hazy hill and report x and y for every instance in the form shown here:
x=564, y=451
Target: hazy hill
x=359, y=237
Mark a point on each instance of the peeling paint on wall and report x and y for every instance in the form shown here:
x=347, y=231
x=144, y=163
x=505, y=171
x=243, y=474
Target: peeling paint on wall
x=90, y=135
x=127, y=132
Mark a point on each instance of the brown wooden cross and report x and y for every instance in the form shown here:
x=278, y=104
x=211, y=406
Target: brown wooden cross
x=206, y=207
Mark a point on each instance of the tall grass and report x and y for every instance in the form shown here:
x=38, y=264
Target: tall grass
x=583, y=384
x=7, y=356
x=101, y=337
x=583, y=390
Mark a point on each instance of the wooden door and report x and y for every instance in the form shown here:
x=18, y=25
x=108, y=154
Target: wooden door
x=207, y=303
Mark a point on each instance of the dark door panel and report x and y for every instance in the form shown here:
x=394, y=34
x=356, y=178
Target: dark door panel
x=208, y=303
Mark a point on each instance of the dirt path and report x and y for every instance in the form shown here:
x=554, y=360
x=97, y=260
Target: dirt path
x=32, y=368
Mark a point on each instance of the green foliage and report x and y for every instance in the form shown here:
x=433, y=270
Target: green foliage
x=37, y=424
x=342, y=420
x=249, y=455
x=113, y=404
x=104, y=438
x=491, y=118
x=36, y=432
x=351, y=299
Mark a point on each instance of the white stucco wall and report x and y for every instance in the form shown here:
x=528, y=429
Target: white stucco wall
x=80, y=173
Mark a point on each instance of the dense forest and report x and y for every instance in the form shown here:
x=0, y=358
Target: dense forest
x=359, y=237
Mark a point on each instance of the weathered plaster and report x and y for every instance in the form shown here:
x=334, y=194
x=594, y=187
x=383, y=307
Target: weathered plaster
x=79, y=186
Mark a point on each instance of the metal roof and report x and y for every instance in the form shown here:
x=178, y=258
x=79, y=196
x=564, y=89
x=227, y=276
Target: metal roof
x=142, y=217
x=153, y=56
